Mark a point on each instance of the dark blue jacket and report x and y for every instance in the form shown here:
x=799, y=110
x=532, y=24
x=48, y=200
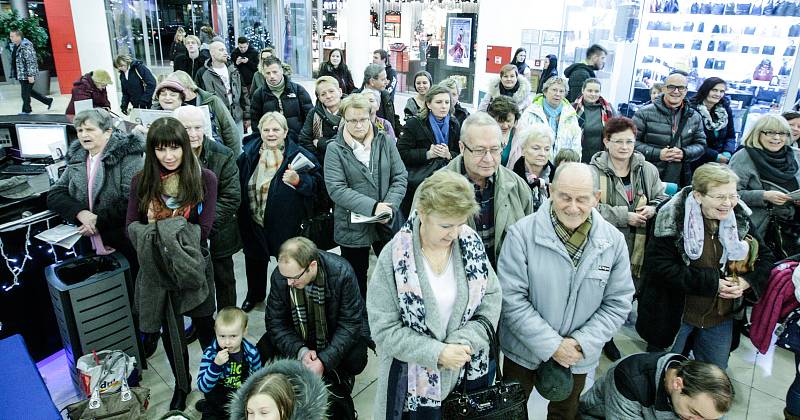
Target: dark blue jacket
x=285, y=207
x=138, y=88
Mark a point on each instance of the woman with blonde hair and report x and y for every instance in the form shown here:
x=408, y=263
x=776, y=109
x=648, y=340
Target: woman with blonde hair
x=431, y=285
x=274, y=197
x=177, y=47
x=92, y=86
x=552, y=109
x=768, y=171
x=509, y=84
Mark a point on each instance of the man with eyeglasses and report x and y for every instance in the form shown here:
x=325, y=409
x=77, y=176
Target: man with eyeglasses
x=670, y=132
x=503, y=196
x=315, y=314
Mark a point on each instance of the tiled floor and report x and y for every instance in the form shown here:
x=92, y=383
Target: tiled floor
x=761, y=381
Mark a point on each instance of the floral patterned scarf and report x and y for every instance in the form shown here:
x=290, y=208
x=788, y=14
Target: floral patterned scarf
x=423, y=393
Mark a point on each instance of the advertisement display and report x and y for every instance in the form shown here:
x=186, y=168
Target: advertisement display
x=459, y=41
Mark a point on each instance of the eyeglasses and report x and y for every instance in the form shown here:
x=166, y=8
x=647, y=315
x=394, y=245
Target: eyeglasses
x=360, y=121
x=723, y=197
x=778, y=134
x=481, y=152
x=622, y=142
x=670, y=88
x=297, y=277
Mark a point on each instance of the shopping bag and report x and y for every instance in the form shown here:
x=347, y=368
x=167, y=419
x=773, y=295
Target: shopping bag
x=91, y=368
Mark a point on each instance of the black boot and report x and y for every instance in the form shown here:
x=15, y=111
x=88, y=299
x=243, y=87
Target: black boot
x=611, y=351
x=149, y=343
x=178, y=400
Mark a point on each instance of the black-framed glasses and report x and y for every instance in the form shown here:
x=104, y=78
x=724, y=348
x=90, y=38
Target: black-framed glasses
x=297, y=277
x=481, y=152
x=778, y=134
x=670, y=88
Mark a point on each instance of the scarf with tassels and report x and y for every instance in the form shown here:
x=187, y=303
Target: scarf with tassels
x=606, y=111
x=313, y=296
x=421, y=385
x=733, y=249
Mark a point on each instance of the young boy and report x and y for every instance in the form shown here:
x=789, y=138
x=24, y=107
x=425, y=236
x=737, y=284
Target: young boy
x=226, y=364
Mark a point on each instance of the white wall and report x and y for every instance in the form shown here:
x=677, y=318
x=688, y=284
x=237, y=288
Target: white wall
x=501, y=23
x=354, y=30
x=91, y=36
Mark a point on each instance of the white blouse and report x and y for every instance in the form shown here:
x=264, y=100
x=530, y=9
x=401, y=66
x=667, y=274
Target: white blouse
x=444, y=289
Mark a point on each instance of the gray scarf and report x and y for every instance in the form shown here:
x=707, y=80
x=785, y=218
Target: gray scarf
x=719, y=113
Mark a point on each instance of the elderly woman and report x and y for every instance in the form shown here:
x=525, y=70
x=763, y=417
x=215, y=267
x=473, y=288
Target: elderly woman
x=712, y=104
x=365, y=176
x=703, y=255
x=593, y=111
x=429, y=141
x=422, y=82
x=509, y=84
x=383, y=125
x=274, y=198
x=375, y=79
x=535, y=167
x=322, y=122
x=92, y=86
x=456, y=109
x=768, y=171
x=552, y=109
x=92, y=193
x=422, y=317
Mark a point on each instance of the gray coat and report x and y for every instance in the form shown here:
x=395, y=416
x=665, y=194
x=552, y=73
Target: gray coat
x=171, y=260
x=395, y=341
x=224, y=237
x=212, y=82
x=751, y=188
x=654, y=132
x=546, y=299
x=355, y=188
x=121, y=160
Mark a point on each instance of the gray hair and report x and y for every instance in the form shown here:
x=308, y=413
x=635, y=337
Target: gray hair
x=536, y=132
x=371, y=72
x=558, y=80
x=578, y=166
x=184, y=112
x=450, y=83
x=479, y=119
x=97, y=116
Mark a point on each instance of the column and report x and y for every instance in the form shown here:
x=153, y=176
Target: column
x=91, y=35
x=354, y=29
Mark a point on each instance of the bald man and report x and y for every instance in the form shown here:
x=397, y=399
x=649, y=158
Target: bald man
x=225, y=240
x=567, y=287
x=223, y=80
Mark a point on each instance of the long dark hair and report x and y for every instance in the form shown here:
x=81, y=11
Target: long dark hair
x=705, y=89
x=330, y=67
x=516, y=53
x=169, y=132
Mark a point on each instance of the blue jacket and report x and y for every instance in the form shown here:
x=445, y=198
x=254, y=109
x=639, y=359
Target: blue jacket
x=138, y=87
x=210, y=373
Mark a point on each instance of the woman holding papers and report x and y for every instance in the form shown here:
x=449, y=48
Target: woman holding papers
x=277, y=185
x=769, y=181
x=364, y=175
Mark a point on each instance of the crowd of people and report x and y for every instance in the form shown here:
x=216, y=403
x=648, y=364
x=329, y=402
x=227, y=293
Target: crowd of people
x=543, y=212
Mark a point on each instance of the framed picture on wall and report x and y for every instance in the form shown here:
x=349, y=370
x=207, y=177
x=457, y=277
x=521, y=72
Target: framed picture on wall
x=459, y=41
x=551, y=37
x=530, y=36
x=548, y=49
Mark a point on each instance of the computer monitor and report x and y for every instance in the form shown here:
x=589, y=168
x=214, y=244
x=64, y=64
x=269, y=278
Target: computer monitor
x=34, y=140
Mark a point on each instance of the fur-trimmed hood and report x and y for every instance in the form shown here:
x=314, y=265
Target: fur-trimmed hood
x=522, y=96
x=120, y=144
x=669, y=220
x=311, y=393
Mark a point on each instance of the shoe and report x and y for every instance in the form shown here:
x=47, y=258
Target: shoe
x=178, y=400
x=611, y=351
x=201, y=406
x=191, y=335
x=50, y=104
x=371, y=345
x=149, y=344
x=248, y=305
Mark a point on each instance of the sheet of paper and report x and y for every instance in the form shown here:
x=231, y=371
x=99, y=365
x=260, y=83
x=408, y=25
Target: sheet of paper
x=360, y=218
x=794, y=195
x=147, y=116
x=301, y=163
x=62, y=235
x=83, y=105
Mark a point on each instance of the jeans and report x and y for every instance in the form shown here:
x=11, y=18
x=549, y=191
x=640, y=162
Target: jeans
x=793, y=396
x=28, y=92
x=712, y=345
x=359, y=259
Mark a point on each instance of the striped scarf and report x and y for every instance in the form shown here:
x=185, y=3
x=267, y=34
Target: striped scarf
x=606, y=111
x=574, y=241
x=312, y=295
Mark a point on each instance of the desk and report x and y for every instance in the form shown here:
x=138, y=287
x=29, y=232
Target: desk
x=12, y=209
x=23, y=394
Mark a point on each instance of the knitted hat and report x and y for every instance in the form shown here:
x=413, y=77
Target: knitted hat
x=171, y=85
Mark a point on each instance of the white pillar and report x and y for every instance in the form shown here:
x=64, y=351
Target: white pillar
x=91, y=36
x=355, y=34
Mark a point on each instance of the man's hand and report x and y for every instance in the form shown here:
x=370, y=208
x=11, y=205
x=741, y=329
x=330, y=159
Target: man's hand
x=454, y=356
x=31, y=79
x=647, y=211
x=568, y=352
x=88, y=223
x=636, y=219
x=222, y=357
x=312, y=363
x=383, y=208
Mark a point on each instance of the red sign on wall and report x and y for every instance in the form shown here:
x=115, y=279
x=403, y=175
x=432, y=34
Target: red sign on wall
x=496, y=57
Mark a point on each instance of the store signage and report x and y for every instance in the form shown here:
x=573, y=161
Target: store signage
x=392, y=18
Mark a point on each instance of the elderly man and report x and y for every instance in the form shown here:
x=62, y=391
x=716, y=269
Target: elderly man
x=25, y=69
x=281, y=95
x=670, y=132
x=224, y=81
x=567, y=288
x=504, y=197
x=315, y=314
x=224, y=237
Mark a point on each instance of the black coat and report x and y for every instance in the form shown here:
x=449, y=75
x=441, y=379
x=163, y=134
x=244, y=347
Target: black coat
x=295, y=103
x=668, y=277
x=418, y=137
x=184, y=62
x=344, y=309
x=138, y=88
x=218, y=158
x=248, y=69
x=285, y=207
x=328, y=129
x=341, y=74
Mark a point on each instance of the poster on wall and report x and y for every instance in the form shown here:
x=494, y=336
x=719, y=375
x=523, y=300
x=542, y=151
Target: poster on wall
x=459, y=41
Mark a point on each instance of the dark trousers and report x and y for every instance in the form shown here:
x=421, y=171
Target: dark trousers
x=359, y=259
x=205, y=335
x=256, y=270
x=556, y=410
x=224, y=281
x=28, y=92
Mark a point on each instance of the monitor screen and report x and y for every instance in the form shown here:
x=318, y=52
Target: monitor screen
x=34, y=140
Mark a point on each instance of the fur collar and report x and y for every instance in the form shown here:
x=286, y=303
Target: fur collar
x=669, y=220
x=120, y=144
x=311, y=393
x=519, y=96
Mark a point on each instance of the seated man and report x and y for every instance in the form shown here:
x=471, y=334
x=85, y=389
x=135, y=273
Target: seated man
x=315, y=313
x=659, y=385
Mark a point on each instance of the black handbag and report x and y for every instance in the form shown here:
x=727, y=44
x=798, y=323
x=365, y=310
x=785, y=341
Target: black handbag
x=421, y=173
x=501, y=400
x=318, y=227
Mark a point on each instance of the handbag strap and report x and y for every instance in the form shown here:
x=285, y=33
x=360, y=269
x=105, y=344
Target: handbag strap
x=108, y=362
x=494, y=347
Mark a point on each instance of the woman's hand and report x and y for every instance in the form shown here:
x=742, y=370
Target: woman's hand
x=290, y=177
x=776, y=197
x=454, y=356
x=88, y=223
x=730, y=288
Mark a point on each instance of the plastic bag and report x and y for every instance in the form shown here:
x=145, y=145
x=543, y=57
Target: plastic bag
x=90, y=370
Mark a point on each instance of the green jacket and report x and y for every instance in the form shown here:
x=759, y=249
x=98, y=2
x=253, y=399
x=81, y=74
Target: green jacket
x=223, y=122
